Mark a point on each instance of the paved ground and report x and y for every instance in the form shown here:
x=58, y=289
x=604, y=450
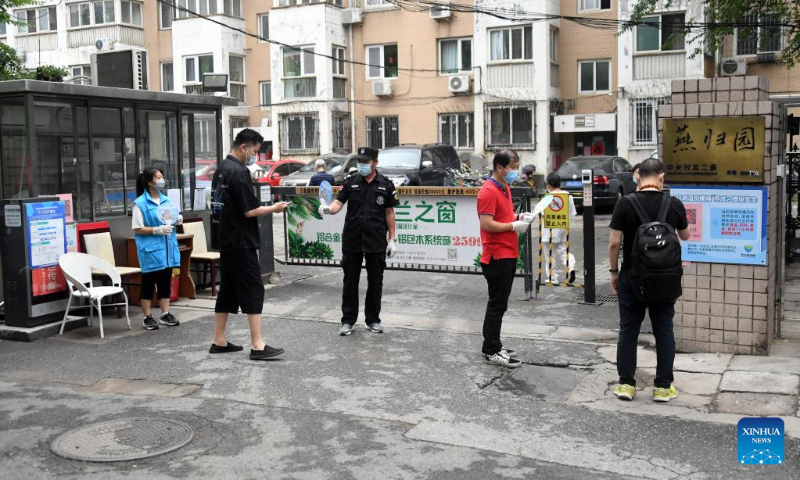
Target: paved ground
x=415, y=402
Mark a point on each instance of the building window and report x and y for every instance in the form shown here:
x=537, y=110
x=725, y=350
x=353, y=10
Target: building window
x=266, y=94
x=661, y=33
x=2, y=29
x=232, y=8
x=81, y=74
x=195, y=66
x=237, y=123
x=455, y=55
x=456, y=129
x=594, y=5
x=341, y=133
x=510, y=125
x=594, y=76
x=339, y=88
x=338, y=61
x=93, y=13
x=236, y=83
x=38, y=20
x=511, y=44
x=300, y=134
x=375, y=3
x=200, y=7
x=263, y=27
x=166, y=13
x=644, y=127
x=298, y=72
x=763, y=37
x=132, y=13
x=382, y=61
x=167, y=79
x=383, y=132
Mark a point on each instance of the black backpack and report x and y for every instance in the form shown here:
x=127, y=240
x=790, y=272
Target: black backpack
x=656, y=256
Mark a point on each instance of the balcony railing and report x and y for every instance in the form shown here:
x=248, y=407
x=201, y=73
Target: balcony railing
x=37, y=42
x=659, y=65
x=302, y=87
x=510, y=75
x=85, y=37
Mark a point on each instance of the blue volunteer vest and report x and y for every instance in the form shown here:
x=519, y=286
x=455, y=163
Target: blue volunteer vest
x=156, y=252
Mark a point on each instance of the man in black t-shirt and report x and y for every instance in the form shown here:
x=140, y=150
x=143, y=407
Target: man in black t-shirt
x=624, y=223
x=235, y=234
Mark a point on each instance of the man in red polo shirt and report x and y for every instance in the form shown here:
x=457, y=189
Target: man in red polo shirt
x=500, y=228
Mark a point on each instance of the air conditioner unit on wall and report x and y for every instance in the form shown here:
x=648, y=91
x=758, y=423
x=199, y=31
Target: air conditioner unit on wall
x=440, y=13
x=458, y=84
x=382, y=88
x=121, y=69
x=103, y=44
x=733, y=66
x=351, y=16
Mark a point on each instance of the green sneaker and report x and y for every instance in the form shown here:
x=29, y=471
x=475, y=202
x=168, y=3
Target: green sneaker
x=664, y=395
x=623, y=391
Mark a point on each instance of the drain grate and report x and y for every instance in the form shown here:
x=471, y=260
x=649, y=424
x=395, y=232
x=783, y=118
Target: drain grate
x=123, y=440
x=600, y=297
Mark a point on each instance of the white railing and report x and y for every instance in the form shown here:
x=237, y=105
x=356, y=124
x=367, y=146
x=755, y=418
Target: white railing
x=301, y=87
x=37, y=42
x=85, y=37
x=510, y=75
x=659, y=65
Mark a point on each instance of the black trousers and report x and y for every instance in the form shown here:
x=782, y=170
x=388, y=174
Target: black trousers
x=631, y=315
x=241, y=284
x=161, y=280
x=351, y=265
x=499, y=276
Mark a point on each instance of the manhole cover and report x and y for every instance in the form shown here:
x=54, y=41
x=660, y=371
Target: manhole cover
x=123, y=440
x=600, y=297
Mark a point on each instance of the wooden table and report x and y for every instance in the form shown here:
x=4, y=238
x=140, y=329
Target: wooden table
x=186, y=288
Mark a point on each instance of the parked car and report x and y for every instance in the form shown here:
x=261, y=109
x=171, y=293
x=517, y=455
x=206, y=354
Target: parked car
x=274, y=171
x=420, y=165
x=613, y=177
x=336, y=164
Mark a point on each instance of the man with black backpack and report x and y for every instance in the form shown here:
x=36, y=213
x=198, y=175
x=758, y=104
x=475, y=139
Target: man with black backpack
x=648, y=224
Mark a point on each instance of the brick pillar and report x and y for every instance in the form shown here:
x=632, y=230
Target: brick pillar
x=730, y=308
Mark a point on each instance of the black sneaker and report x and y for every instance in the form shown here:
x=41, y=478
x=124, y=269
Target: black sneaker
x=502, y=360
x=571, y=277
x=226, y=349
x=169, y=320
x=150, y=323
x=267, y=354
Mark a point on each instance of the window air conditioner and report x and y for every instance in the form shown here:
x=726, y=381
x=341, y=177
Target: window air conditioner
x=382, y=88
x=458, y=84
x=120, y=69
x=437, y=12
x=733, y=66
x=351, y=16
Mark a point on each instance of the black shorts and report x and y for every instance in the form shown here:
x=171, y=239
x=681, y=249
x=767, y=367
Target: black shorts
x=160, y=280
x=241, y=285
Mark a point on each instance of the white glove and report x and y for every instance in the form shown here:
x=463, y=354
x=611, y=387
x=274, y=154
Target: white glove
x=180, y=220
x=162, y=230
x=526, y=217
x=520, y=226
x=324, y=210
x=391, y=248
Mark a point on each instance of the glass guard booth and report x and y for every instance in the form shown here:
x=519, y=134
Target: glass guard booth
x=92, y=142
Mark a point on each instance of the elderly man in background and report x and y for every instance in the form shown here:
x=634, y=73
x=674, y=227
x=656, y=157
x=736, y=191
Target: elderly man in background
x=322, y=175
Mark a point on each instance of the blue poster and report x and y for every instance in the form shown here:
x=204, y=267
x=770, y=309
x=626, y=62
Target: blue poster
x=727, y=224
x=47, y=239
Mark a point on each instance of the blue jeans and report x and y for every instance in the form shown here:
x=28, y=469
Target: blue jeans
x=631, y=315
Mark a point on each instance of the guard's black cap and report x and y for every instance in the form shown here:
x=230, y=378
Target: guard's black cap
x=367, y=153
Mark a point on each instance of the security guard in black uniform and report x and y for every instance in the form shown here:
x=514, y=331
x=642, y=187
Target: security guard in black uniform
x=370, y=216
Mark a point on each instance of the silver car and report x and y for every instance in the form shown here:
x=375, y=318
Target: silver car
x=336, y=164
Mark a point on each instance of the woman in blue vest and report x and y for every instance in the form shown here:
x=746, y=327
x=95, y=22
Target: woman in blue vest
x=156, y=246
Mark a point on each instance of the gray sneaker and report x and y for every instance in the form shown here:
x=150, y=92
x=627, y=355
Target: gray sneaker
x=375, y=327
x=345, y=329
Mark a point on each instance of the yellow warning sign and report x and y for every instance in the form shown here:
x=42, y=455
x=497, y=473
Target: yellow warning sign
x=556, y=215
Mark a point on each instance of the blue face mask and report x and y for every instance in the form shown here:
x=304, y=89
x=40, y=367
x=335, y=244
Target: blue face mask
x=364, y=169
x=511, y=176
x=251, y=160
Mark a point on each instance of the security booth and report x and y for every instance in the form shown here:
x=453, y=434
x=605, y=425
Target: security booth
x=88, y=144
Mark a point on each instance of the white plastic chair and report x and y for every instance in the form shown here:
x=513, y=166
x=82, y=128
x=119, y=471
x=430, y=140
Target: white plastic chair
x=77, y=268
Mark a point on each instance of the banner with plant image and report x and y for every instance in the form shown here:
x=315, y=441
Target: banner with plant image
x=431, y=230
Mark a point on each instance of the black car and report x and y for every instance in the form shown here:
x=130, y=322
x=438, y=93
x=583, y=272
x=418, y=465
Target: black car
x=613, y=178
x=419, y=165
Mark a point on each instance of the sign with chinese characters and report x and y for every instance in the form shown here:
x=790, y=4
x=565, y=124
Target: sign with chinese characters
x=714, y=149
x=47, y=280
x=727, y=224
x=556, y=215
x=46, y=233
x=431, y=230
x=584, y=121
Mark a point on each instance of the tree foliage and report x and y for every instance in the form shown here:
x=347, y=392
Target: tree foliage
x=7, y=5
x=11, y=67
x=722, y=17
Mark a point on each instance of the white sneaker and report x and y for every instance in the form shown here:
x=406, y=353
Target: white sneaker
x=502, y=360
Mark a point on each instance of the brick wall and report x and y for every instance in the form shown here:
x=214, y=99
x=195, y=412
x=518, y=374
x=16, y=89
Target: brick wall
x=730, y=308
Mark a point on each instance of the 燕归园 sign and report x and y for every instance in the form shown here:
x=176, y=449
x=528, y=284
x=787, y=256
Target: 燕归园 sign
x=714, y=149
